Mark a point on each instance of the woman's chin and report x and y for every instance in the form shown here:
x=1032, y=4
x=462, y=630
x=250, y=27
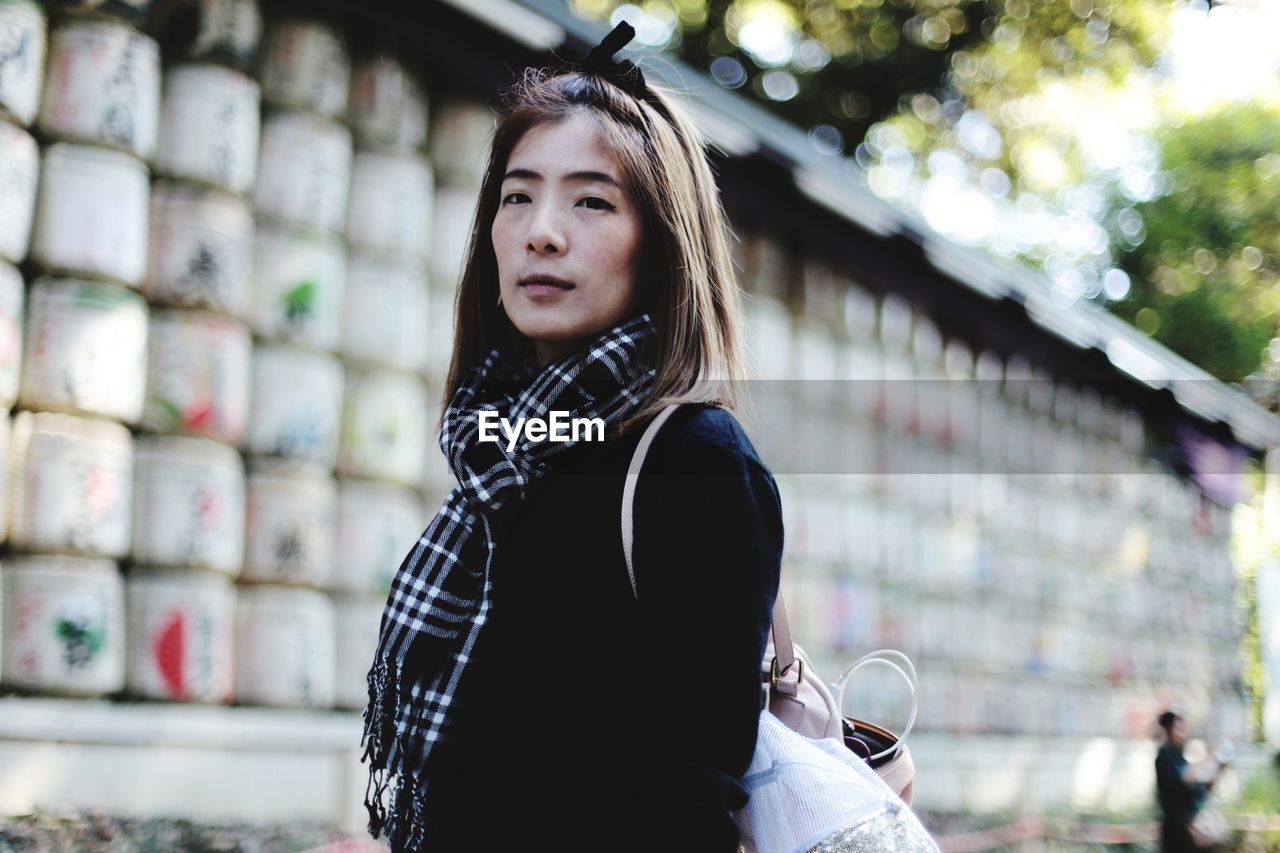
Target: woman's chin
x=548, y=326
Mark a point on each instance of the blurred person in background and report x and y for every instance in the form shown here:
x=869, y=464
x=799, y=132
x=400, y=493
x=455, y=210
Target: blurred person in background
x=523, y=696
x=1179, y=789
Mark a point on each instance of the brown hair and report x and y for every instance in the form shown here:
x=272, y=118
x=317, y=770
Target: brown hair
x=686, y=275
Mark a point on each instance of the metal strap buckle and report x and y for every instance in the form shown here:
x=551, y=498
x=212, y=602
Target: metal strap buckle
x=776, y=674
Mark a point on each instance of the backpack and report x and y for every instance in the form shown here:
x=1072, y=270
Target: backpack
x=817, y=778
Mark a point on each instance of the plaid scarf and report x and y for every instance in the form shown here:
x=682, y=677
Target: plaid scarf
x=441, y=595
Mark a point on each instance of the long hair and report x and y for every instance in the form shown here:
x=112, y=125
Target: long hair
x=686, y=271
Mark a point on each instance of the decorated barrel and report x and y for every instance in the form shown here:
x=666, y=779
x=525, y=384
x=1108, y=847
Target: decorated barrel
x=390, y=207
x=440, y=323
x=377, y=525
x=304, y=171
x=91, y=214
x=12, y=298
x=86, y=349
x=385, y=426
x=85, y=344
x=223, y=31
x=357, y=619
x=299, y=282
x=132, y=11
x=198, y=373
x=306, y=65
x=6, y=428
x=71, y=485
x=459, y=142
x=291, y=510
x=437, y=477
x=385, y=314
x=22, y=48
x=388, y=107
x=285, y=647
x=63, y=624
x=19, y=173
x=296, y=403
x=201, y=249
x=451, y=219
x=188, y=504
x=103, y=87
x=181, y=635
x=211, y=127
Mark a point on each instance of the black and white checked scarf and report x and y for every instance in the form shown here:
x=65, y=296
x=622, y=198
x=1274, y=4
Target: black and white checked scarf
x=440, y=596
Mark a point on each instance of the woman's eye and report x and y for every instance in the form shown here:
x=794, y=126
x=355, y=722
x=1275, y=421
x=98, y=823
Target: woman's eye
x=602, y=204
x=509, y=196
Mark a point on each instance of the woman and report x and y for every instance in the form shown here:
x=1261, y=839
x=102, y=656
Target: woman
x=521, y=693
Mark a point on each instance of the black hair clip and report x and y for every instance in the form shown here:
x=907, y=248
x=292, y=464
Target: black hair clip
x=624, y=73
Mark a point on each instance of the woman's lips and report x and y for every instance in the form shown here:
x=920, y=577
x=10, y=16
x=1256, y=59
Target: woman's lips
x=539, y=287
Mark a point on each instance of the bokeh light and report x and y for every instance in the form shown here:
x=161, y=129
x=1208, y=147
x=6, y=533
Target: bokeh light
x=779, y=85
x=728, y=72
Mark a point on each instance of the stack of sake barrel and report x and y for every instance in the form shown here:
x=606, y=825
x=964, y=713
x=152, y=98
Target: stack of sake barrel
x=389, y=413
x=460, y=136
x=189, y=489
x=342, y=327
x=98, y=359
x=266, y=294
x=461, y=132
x=22, y=50
x=83, y=373
x=1005, y=527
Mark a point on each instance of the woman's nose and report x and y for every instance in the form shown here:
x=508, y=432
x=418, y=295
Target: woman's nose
x=546, y=235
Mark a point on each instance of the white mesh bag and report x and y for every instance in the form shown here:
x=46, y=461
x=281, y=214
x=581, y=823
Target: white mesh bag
x=812, y=795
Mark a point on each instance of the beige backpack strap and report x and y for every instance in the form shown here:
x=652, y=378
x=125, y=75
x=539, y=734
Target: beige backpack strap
x=629, y=488
x=784, y=651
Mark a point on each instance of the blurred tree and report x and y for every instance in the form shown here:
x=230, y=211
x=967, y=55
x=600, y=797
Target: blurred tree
x=837, y=64
x=846, y=64
x=1038, y=129
x=1018, y=82
x=1033, y=136
x=1205, y=277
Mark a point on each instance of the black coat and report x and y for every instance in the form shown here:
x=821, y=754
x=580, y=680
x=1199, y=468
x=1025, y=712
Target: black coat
x=591, y=720
x=1179, y=800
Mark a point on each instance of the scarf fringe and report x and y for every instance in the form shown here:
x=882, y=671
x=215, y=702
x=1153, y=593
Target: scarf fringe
x=406, y=826
x=379, y=734
x=396, y=802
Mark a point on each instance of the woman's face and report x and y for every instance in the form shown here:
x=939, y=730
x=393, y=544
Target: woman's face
x=564, y=216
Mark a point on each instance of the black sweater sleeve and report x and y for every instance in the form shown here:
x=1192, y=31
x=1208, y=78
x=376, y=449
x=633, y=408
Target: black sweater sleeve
x=708, y=550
